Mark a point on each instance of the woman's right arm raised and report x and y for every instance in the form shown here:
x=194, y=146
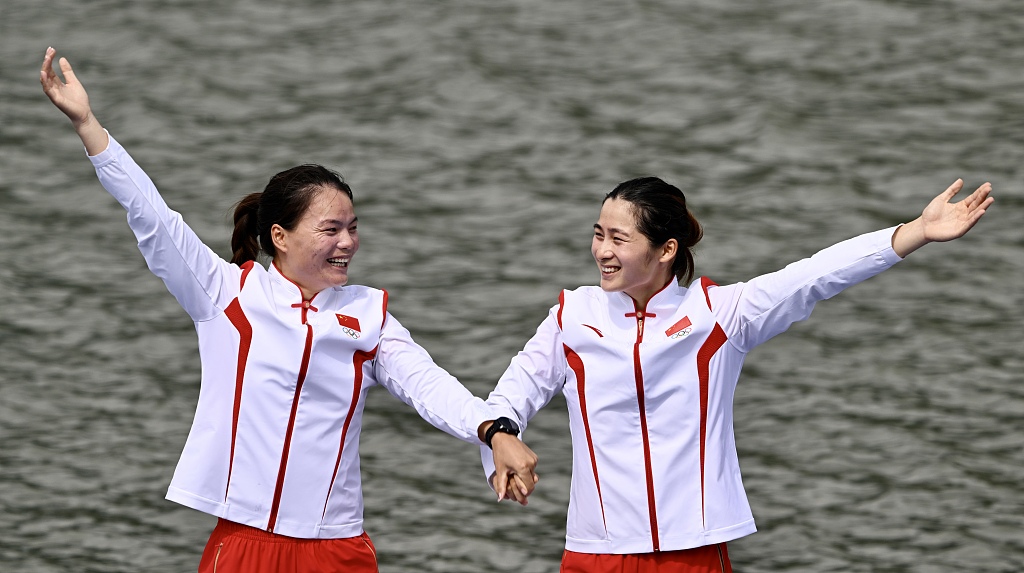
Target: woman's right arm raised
x=202, y=282
x=69, y=96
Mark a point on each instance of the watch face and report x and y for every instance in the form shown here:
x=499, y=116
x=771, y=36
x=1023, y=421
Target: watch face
x=503, y=425
x=507, y=425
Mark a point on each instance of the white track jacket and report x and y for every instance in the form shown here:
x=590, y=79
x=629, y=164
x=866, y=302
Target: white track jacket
x=275, y=439
x=650, y=396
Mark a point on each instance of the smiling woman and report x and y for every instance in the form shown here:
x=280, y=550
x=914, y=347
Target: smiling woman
x=288, y=354
x=644, y=236
x=649, y=369
x=305, y=220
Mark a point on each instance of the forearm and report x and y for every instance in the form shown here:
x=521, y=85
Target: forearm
x=199, y=279
x=755, y=311
x=909, y=238
x=92, y=134
x=407, y=371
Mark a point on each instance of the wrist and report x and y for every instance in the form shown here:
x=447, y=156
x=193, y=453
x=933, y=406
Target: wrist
x=85, y=122
x=502, y=425
x=909, y=237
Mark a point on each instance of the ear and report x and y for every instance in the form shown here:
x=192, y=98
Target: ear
x=668, y=251
x=279, y=236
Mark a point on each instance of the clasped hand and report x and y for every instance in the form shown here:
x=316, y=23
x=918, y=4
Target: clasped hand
x=514, y=464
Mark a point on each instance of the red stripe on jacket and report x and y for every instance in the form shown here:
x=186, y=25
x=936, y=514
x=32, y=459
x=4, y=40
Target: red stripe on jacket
x=576, y=363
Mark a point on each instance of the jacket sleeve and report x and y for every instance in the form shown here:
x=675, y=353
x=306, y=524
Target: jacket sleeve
x=407, y=371
x=532, y=379
x=201, y=281
x=755, y=311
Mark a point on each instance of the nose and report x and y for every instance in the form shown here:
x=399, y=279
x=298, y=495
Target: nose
x=346, y=241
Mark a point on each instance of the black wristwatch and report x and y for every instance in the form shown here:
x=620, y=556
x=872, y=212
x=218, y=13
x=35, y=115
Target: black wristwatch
x=502, y=424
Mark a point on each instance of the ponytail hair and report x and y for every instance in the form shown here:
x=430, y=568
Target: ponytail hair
x=661, y=214
x=245, y=244
x=283, y=202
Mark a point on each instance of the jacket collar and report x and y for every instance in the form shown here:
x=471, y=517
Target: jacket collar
x=665, y=300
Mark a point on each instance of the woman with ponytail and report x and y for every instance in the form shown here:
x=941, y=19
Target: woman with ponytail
x=288, y=353
x=648, y=362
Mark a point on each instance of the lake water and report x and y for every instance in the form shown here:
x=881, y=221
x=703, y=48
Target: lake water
x=885, y=434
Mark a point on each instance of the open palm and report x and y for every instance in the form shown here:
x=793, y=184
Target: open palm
x=69, y=96
x=945, y=221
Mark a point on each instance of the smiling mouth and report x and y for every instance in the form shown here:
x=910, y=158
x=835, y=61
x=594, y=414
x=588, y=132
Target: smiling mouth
x=338, y=263
x=608, y=270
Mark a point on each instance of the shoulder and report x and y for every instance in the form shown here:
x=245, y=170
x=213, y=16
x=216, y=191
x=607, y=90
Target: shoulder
x=702, y=287
x=584, y=293
x=582, y=297
x=356, y=294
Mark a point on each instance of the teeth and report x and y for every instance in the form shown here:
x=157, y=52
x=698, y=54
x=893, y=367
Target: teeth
x=609, y=269
x=338, y=262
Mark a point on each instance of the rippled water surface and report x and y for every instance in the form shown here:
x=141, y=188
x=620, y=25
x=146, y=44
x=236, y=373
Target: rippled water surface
x=885, y=434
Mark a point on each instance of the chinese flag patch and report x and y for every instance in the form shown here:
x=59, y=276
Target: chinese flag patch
x=349, y=321
x=683, y=323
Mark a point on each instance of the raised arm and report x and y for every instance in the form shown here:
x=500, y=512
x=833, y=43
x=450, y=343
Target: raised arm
x=943, y=221
x=70, y=97
x=754, y=311
x=199, y=279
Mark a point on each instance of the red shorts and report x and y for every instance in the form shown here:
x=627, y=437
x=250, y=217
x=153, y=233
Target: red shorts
x=706, y=559
x=236, y=548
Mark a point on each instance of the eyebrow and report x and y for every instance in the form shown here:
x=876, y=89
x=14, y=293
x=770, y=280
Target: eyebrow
x=337, y=222
x=612, y=230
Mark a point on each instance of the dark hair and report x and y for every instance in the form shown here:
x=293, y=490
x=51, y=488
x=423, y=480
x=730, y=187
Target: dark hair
x=661, y=214
x=283, y=202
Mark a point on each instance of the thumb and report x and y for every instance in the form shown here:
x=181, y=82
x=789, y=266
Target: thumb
x=69, y=73
x=500, y=485
x=952, y=189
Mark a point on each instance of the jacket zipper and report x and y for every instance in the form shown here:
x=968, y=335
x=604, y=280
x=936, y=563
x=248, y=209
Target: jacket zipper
x=639, y=378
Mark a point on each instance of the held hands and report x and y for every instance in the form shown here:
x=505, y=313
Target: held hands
x=70, y=97
x=943, y=221
x=514, y=465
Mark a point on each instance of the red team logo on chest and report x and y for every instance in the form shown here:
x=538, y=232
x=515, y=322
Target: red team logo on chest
x=349, y=324
x=680, y=329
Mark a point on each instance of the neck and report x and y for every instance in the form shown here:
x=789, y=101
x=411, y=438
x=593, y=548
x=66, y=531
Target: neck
x=307, y=294
x=640, y=299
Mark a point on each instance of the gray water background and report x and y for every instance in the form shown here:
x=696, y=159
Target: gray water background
x=885, y=434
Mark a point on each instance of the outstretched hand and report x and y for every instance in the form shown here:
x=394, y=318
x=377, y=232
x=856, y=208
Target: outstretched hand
x=945, y=221
x=514, y=465
x=70, y=97
x=942, y=220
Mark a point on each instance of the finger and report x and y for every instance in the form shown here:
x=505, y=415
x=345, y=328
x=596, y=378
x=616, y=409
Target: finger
x=48, y=60
x=952, y=189
x=515, y=494
x=520, y=485
x=978, y=212
x=501, y=486
x=979, y=195
x=513, y=489
x=69, y=73
x=47, y=76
